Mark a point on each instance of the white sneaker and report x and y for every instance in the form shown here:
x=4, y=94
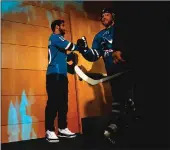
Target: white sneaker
x=51, y=137
x=66, y=133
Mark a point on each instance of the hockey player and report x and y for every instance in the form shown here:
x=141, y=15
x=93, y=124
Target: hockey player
x=104, y=46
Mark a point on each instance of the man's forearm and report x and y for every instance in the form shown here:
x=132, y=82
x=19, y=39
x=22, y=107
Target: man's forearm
x=90, y=54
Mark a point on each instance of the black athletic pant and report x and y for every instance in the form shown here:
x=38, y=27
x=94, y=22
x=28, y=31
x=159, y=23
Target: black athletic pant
x=121, y=88
x=57, y=90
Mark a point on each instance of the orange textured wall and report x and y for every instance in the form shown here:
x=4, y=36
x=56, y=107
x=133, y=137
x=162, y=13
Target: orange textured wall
x=24, y=60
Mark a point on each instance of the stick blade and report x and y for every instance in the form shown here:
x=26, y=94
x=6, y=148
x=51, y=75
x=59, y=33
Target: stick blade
x=82, y=75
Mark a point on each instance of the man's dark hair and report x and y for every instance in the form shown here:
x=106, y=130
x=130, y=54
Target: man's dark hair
x=56, y=22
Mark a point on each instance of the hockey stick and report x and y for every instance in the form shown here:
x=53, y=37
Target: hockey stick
x=91, y=81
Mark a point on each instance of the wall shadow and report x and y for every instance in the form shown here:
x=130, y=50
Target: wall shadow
x=93, y=125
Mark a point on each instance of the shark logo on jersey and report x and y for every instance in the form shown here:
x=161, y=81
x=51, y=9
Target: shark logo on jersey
x=109, y=40
x=106, y=48
x=107, y=52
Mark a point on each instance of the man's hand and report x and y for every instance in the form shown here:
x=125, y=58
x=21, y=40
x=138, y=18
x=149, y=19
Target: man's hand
x=82, y=44
x=117, y=57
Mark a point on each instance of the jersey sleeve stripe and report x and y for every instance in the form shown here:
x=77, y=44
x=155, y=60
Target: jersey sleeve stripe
x=73, y=47
x=92, y=51
x=49, y=56
x=68, y=45
x=96, y=52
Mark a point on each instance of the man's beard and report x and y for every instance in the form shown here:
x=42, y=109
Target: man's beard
x=108, y=24
x=62, y=32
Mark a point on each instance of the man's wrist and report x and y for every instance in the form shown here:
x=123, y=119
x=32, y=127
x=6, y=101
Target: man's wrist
x=83, y=50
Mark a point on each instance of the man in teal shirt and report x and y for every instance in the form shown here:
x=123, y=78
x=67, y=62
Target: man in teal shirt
x=57, y=83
